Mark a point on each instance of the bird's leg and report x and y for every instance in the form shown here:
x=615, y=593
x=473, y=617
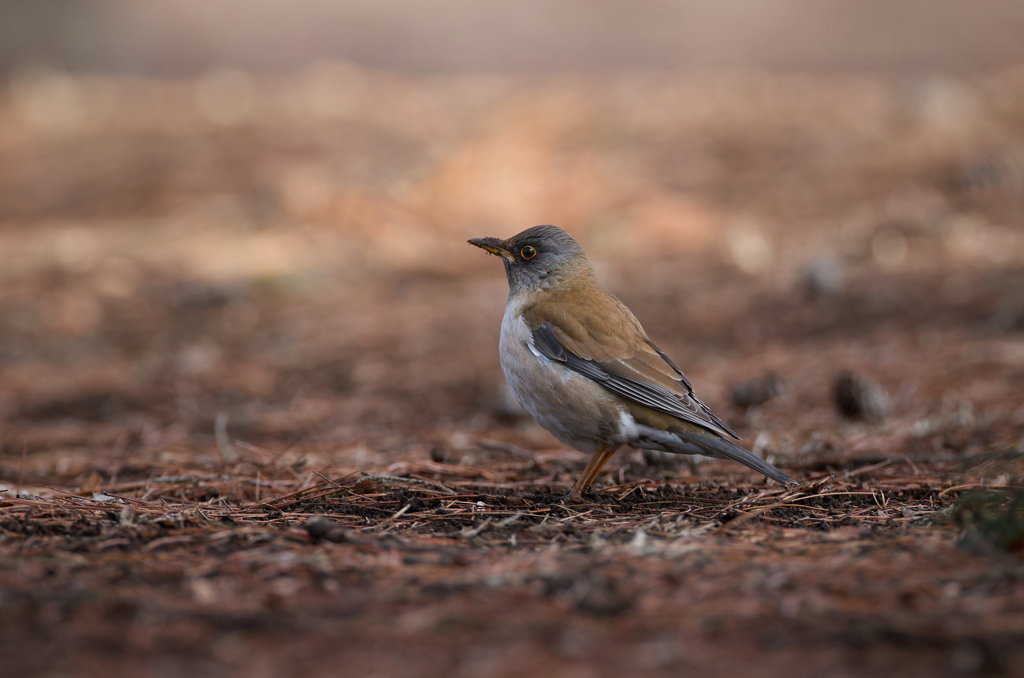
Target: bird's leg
x=594, y=466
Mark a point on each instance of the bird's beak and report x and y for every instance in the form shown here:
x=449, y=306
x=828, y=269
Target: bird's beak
x=494, y=246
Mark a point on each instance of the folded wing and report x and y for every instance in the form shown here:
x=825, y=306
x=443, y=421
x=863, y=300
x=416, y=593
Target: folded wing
x=622, y=359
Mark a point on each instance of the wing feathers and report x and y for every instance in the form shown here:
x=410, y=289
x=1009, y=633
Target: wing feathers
x=620, y=377
x=595, y=334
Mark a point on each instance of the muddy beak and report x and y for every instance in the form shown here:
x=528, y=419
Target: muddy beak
x=494, y=246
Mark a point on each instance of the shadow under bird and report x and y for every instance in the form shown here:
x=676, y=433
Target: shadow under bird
x=580, y=363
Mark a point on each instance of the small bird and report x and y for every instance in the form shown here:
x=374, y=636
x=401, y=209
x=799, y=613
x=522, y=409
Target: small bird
x=580, y=363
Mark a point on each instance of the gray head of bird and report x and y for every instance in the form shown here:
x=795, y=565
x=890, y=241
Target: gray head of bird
x=539, y=258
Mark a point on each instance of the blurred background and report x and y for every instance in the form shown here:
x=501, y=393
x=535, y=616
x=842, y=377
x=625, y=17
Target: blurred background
x=178, y=39
x=259, y=209
x=233, y=273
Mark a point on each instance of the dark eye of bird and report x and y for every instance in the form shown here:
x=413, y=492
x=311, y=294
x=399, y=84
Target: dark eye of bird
x=528, y=252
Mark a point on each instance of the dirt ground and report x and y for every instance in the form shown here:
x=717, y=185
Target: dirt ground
x=252, y=420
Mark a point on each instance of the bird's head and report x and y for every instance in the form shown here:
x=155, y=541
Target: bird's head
x=538, y=258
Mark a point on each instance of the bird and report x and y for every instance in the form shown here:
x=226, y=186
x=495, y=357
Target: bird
x=580, y=363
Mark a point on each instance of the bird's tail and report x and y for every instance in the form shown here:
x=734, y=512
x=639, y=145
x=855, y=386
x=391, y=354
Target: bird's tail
x=723, y=449
x=686, y=442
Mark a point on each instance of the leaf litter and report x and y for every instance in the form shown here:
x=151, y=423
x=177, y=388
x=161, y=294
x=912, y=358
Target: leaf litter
x=252, y=421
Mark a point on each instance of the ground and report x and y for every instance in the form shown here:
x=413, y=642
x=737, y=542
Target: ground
x=253, y=423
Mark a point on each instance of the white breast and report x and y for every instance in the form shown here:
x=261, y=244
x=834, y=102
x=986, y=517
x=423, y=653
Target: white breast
x=574, y=409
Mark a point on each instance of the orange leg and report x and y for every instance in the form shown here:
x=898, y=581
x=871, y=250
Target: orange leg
x=594, y=466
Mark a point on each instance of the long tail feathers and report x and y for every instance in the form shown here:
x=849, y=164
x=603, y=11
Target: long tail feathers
x=718, y=447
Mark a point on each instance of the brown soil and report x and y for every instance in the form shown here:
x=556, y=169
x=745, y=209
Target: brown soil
x=232, y=309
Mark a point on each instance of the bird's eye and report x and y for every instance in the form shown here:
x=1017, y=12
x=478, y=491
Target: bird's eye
x=528, y=252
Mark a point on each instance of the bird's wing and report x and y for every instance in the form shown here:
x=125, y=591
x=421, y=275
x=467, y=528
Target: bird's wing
x=613, y=350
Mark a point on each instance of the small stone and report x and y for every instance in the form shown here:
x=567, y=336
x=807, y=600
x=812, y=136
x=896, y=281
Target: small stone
x=321, y=528
x=755, y=392
x=823, y=279
x=859, y=397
